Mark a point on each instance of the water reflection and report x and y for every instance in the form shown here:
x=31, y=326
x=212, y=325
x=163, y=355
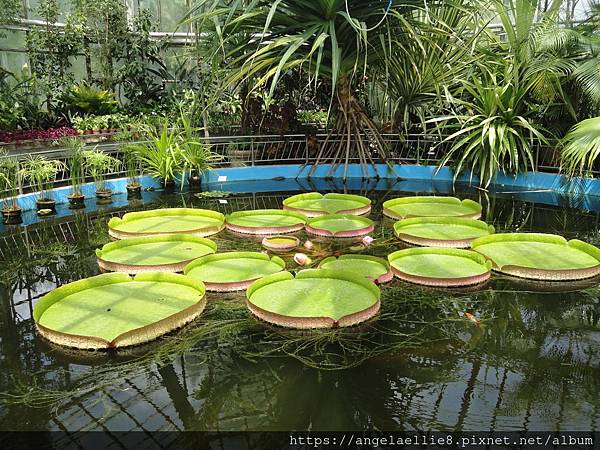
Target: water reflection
x=533, y=363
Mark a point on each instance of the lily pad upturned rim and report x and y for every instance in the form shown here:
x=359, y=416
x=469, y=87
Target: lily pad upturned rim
x=365, y=208
x=446, y=243
x=437, y=281
x=520, y=271
x=179, y=266
x=314, y=322
x=384, y=278
x=114, y=223
x=278, y=247
x=244, y=229
x=231, y=286
x=475, y=207
x=135, y=336
x=313, y=228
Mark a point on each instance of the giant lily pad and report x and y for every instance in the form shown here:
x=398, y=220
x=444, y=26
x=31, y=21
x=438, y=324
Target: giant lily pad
x=153, y=254
x=114, y=310
x=443, y=267
x=315, y=298
x=338, y=225
x=374, y=268
x=280, y=244
x=315, y=204
x=540, y=256
x=234, y=271
x=441, y=231
x=265, y=221
x=197, y=222
x=407, y=207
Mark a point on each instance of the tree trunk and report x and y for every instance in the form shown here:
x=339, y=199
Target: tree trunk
x=359, y=138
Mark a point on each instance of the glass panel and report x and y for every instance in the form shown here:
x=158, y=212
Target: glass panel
x=172, y=11
x=153, y=6
x=12, y=39
x=78, y=68
x=13, y=61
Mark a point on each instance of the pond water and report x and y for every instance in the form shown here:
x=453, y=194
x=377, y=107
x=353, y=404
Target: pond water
x=532, y=364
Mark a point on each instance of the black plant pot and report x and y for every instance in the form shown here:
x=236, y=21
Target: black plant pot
x=12, y=216
x=45, y=203
x=103, y=196
x=195, y=182
x=76, y=201
x=168, y=186
x=134, y=191
x=45, y=207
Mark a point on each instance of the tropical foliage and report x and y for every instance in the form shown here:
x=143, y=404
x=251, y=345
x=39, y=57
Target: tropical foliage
x=581, y=151
x=497, y=80
x=40, y=173
x=99, y=164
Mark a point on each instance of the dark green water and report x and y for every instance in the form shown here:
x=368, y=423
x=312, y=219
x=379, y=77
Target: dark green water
x=532, y=364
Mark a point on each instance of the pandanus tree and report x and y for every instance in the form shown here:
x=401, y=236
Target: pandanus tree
x=339, y=40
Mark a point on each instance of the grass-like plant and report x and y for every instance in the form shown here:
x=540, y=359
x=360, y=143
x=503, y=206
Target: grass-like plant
x=41, y=173
x=98, y=165
x=197, y=155
x=9, y=182
x=75, y=163
x=492, y=128
x=581, y=150
x=162, y=155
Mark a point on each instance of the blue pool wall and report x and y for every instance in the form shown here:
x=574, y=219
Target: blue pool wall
x=538, y=187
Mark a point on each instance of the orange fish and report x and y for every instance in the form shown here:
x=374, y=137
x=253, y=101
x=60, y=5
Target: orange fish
x=472, y=318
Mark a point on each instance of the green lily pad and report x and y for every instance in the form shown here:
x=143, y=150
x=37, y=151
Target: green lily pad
x=115, y=310
x=265, y=221
x=314, y=204
x=315, y=298
x=372, y=267
x=440, y=266
x=158, y=253
x=339, y=225
x=407, y=207
x=540, y=256
x=441, y=231
x=234, y=270
x=197, y=222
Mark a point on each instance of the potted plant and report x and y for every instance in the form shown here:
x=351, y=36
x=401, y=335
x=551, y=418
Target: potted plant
x=161, y=155
x=9, y=185
x=40, y=173
x=75, y=164
x=98, y=164
x=132, y=165
x=197, y=155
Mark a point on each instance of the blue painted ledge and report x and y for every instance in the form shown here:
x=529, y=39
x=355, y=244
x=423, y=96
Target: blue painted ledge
x=412, y=178
x=529, y=181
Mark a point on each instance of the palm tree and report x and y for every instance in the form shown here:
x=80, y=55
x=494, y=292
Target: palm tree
x=433, y=54
x=537, y=71
x=339, y=40
x=582, y=147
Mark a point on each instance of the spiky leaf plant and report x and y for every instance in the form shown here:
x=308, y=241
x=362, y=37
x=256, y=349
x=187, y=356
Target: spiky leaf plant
x=261, y=40
x=581, y=151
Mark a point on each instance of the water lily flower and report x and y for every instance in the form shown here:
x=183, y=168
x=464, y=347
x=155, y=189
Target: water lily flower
x=301, y=259
x=367, y=240
x=308, y=245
